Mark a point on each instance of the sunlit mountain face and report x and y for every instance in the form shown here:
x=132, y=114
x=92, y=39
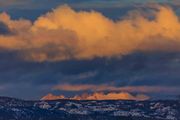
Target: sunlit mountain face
x=99, y=96
x=90, y=50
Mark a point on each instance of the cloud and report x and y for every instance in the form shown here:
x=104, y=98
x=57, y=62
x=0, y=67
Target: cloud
x=68, y=87
x=4, y=30
x=99, y=96
x=65, y=34
x=30, y=4
x=104, y=87
x=10, y=3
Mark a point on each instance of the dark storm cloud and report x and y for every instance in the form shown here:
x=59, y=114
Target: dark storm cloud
x=4, y=30
x=114, y=9
x=77, y=3
x=30, y=9
x=137, y=69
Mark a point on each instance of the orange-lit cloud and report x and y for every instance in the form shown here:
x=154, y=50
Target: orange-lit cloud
x=66, y=34
x=100, y=96
x=97, y=88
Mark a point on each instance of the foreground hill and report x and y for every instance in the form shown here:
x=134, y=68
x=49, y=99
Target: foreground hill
x=15, y=109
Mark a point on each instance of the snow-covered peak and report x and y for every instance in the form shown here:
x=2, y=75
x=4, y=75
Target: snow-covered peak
x=100, y=96
x=52, y=97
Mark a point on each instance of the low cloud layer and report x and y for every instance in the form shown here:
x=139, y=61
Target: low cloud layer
x=65, y=34
x=98, y=88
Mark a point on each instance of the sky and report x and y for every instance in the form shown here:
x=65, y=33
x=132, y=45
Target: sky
x=71, y=47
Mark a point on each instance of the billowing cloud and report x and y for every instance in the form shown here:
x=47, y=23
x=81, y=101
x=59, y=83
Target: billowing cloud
x=100, y=96
x=95, y=88
x=66, y=34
